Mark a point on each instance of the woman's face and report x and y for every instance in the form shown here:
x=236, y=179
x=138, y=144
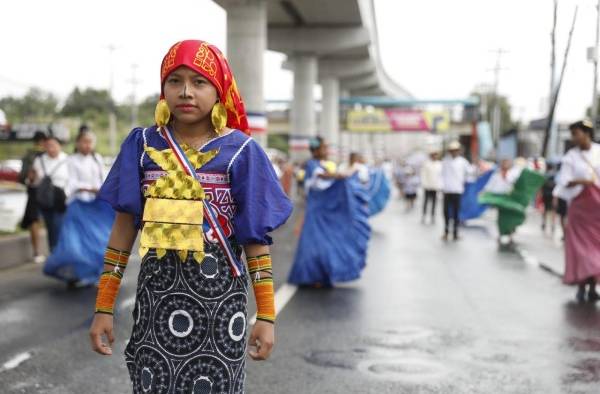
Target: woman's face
x=189, y=95
x=85, y=145
x=580, y=137
x=52, y=148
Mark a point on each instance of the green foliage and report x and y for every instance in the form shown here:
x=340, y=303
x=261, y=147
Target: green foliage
x=35, y=105
x=278, y=141
x=90, y=100
x=489, y=100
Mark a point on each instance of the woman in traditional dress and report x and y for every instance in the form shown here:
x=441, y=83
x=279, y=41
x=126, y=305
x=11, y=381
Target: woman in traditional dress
x=202, y=192
x=333, y=242
x=579, y=183
x=78, y=258
x=511, y=189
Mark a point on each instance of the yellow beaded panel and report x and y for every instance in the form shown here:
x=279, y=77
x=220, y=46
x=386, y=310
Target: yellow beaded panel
x=168, y=162
x=171, y=236
x=173, y=211
x=176, y=185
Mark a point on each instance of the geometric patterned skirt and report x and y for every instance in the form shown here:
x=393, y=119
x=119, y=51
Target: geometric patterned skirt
x=190, y=321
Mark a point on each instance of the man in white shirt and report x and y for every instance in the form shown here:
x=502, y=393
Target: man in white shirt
x=455, y=172
x=431, y=179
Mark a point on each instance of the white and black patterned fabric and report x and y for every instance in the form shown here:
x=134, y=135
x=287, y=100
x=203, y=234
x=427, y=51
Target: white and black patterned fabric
x=190, y=322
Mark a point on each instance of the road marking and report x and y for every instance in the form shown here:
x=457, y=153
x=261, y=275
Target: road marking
x=15, y=361
x=282, y=296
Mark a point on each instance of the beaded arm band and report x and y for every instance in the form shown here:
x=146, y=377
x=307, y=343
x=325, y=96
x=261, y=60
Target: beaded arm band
x=110, y=281
x=261, y=273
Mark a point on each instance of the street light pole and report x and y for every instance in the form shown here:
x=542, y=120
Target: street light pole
x=594, y=114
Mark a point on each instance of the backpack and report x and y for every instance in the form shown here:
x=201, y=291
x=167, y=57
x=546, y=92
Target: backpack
x=47, y=195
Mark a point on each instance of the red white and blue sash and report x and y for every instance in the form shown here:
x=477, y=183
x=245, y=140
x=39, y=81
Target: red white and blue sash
x=236, y=267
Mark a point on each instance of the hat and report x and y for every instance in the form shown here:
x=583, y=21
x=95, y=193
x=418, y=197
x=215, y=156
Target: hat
x=454, y=145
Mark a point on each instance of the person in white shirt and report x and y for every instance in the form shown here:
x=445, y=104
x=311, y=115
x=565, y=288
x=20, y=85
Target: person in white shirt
x=356, y=165
x=455, y=173
x=86, y=169
x=579, y=183
x=431, y=179
x=504, y=178
x=53, y=164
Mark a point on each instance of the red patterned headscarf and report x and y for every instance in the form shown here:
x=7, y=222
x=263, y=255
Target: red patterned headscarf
x=207, y=60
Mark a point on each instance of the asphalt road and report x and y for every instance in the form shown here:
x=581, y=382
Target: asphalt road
x=427, y=317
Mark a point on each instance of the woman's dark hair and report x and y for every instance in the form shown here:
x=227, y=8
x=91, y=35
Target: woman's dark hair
x=584, y=125
x=315, y=143
x=39, y=136
x=52, y=137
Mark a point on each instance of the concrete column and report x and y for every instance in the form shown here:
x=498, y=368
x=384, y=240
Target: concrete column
x=303, y=115
x=330, y=114
x=246, y=46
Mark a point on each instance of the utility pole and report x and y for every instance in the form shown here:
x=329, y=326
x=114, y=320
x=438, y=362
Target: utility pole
x=134, y=109
x=594, y=114
x=496, y=114
x=557, y=89
x=553, y=127
x=112, y=116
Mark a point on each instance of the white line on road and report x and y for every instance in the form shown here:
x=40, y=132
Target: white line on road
x=15, y=361
x=282, y=297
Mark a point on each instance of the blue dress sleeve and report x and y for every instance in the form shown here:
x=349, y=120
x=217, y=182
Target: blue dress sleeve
x=262, y=205
x=122, y=187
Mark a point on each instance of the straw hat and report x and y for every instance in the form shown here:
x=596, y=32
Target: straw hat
x=454, y=145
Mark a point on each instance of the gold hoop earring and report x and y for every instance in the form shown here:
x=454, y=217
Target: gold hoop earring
x=162, y=114
x=218, y=117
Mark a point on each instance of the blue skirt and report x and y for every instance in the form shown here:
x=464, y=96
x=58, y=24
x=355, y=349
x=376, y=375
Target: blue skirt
x=379, y=191
x=333, y=244
x=79, y=253
x=470, y=208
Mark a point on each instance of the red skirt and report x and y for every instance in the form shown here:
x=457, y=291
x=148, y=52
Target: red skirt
x=582, y=237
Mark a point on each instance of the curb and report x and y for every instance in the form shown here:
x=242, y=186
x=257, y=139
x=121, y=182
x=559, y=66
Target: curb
x=16, y=250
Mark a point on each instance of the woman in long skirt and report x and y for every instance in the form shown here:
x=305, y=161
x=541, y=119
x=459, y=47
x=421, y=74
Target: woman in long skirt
x=579, y=183
x=202, y=192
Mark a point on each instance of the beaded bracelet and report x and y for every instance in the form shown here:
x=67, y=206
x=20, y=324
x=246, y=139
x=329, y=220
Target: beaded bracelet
x=110, y=281
x=263, y=287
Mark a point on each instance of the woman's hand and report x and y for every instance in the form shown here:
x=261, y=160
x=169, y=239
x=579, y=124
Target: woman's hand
x=262, y=338
x=102, y=326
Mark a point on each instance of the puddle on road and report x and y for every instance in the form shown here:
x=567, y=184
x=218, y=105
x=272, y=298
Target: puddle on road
x=408, y=370
x=585, y=371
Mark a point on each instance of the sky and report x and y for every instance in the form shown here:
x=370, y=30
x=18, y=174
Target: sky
x=435, y=49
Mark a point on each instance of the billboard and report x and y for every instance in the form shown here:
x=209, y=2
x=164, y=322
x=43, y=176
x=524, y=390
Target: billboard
x=397, y=119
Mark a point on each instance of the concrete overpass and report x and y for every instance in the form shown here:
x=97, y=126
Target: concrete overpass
x=333, y=43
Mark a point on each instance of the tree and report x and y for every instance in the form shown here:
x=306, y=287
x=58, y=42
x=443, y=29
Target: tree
x=35, y=105
x=81, y=102
x=488, y=99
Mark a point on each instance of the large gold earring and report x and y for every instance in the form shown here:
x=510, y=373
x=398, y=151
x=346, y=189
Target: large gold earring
x=162, y=114
x=218, y=117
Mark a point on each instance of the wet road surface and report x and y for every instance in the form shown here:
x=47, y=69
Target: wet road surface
x=427, y=317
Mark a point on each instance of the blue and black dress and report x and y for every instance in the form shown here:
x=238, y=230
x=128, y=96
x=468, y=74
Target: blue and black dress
x=189, y=332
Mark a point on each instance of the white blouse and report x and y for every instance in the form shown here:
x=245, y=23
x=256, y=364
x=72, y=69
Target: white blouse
x=85, y=172
x=577, y=164
x=56, y=168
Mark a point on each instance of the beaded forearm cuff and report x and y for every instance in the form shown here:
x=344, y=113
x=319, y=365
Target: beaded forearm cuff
x=110, y=281
x=261, y=273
